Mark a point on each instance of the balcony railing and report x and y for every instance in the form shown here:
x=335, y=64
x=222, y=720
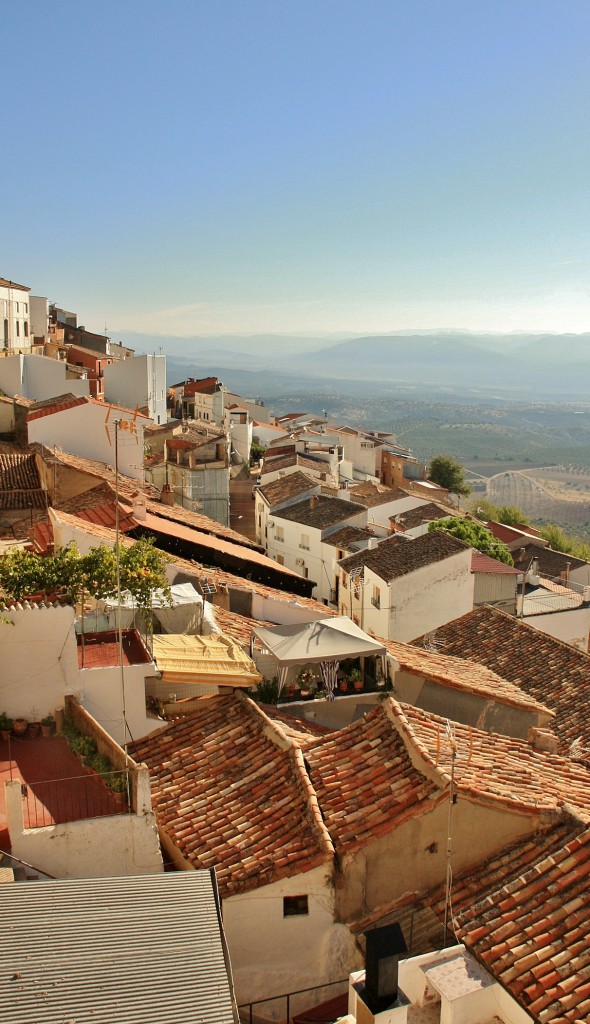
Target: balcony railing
x=288, y=1003
x=61, y=800
x=304, y=547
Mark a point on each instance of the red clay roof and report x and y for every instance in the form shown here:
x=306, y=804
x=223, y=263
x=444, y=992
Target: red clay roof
x=551, y=671
x=5, y=283
x=56, y=405
x=484, y=564
x=496, y=769
x=533, y=934
x=20, y=487
x=231, y=792
x=365, y=782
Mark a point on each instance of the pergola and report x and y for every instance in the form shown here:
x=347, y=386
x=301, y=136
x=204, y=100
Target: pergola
x=325, y=642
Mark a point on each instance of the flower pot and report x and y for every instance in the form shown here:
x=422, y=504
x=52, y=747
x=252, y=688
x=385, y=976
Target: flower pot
x=46, y=730
x=20, y=726
x=358, y=684
x=343, y=686
x=33, y=730
x=5, y=734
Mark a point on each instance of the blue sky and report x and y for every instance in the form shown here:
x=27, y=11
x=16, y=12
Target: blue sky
x=244, y=166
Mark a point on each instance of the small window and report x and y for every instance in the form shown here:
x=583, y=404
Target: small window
x=279, y=534
x=17, y=329
x=304, y=543
x=295, y=906
x=26, y=328
x=16, y=304
x=280, y=560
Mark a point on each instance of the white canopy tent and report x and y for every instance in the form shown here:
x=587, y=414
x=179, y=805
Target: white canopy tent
x=184, y=615
x=325, y=642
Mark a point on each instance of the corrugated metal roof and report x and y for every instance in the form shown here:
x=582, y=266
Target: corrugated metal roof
x=145, y=949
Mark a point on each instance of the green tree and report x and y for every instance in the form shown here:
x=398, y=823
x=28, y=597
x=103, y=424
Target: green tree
x=475, y=535
x=445, y=471
x=511, y=515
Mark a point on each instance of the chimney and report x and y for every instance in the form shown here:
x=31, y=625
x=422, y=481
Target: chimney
x=373, y=542
x=313, y=501
x=542, y=739
x=384, y=946
x=167, y=495
x=139, y=507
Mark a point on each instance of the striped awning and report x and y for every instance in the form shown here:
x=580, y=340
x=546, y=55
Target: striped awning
x=213, y=660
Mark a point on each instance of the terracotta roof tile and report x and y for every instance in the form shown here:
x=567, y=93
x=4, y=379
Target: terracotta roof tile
x=484, y=564
x=398, y=556
x=347, y=536
x=231, y=791
x=459, y=674
x=426, y=513
x=547, y=669
x=286, y=487
x=20, y=486
x=53, y=405
x=533, y=933
x=365, y=781
x=271, y=465
x=320, y=512
x=497, y=769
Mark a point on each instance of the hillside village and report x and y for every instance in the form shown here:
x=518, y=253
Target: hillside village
x=269, y=716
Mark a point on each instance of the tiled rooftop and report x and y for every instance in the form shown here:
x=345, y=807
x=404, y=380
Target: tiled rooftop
x=365, y=781
x=426, y=513
x=551, y=563
x=320, y=512
x=551, y=671
x=484, y=564
x=497, y=769
x=533, y=934
x=459, y=674
x=286, y=461
x=286, y=487
x=348, y=536
x=231, y=791
x=398, y=556
x=52, y=405
x=20, y=487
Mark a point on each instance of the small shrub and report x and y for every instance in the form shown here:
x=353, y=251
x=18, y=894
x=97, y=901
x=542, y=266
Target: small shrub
x=267, y=691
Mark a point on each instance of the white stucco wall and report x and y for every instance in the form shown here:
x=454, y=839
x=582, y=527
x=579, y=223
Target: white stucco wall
x=318, y=559
x=288, y=953
x=85, y=430
x=14, y=315
x=101, y=695
x=121, y=844
x=46, y=378
x=38, y=661
x=413, y=604
x=38, y=378
x=139, y=381
x=241, y=438
x=572, y=626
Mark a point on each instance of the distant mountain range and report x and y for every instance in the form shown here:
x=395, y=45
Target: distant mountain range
x=519, y=365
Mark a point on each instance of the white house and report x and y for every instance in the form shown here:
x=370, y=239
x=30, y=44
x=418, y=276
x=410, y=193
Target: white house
x=277, y=494
x=95, y=430
x=15, y=316
x=240, y=427
x=403, y=588
x=38, y=377
x=297, y=534
x=138, y=382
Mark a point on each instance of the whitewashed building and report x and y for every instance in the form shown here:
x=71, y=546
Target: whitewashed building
x=15, y=334
x=138, y=382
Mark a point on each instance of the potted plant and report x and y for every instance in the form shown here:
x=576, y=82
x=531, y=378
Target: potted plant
x=5, y=726
x=20, y=726
x=356, y=678
x=47, y=725
x=306, y=683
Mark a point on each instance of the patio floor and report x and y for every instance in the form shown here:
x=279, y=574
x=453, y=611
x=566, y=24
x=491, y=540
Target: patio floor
x=57, y=787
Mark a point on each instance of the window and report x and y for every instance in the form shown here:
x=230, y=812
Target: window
x=304, y=543
x=305, y=572
x=376, y=598
x=26, y=307
x=280, y=534
x=26, y=326
x=280, y=560
x=17, y=329
x=295, y=906
x=344, y=580
x=16, y=304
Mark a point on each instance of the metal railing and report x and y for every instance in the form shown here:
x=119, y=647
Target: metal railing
x=56, y=801
x=245, y=1010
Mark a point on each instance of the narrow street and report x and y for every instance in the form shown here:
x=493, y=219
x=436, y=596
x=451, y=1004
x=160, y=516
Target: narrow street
x=241, y=504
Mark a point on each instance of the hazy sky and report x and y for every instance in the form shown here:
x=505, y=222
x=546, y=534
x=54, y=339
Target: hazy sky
x=299, y=165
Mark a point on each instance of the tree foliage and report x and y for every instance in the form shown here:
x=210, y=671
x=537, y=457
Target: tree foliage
x=142, y=570
x=475, y=535
x=510, y=515
x=445, y=471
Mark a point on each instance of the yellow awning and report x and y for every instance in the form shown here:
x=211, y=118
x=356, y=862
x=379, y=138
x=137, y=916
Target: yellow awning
x=214, y=660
